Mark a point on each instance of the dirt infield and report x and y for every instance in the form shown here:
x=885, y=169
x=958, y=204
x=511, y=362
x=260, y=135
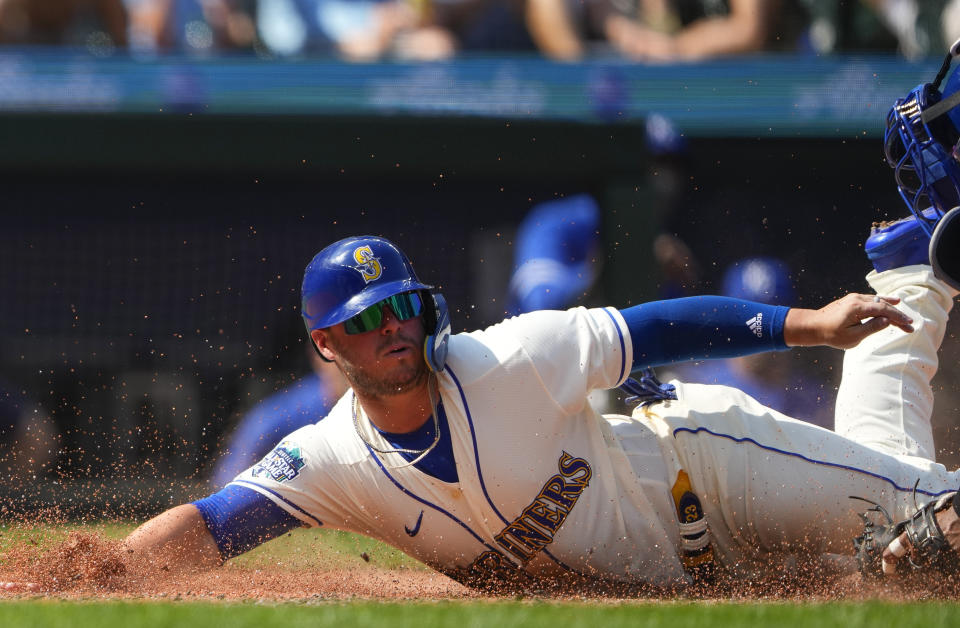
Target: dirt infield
x=88, y=566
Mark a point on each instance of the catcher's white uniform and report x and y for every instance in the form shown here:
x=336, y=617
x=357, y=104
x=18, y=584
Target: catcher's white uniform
x=548, y=487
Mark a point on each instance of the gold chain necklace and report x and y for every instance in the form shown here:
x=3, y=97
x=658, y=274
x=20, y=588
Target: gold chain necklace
x=419, y=453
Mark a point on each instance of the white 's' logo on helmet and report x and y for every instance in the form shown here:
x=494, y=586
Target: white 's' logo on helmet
x=368, y=264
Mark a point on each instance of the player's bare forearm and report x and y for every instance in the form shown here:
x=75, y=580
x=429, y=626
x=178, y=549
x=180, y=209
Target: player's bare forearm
x=843, y=323
x=177, y=539
x=174, y=541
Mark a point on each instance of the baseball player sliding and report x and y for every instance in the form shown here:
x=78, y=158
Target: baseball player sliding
x=478, y=454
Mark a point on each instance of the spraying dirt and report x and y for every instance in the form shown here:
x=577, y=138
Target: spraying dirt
x=89, y=566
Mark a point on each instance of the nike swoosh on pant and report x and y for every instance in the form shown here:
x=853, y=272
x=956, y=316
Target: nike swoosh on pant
x=416, y=527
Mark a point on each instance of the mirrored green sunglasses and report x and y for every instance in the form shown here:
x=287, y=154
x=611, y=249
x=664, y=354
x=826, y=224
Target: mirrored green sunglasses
x=404, y=306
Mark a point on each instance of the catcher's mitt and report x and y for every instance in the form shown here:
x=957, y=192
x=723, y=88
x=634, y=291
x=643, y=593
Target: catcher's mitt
x=927, y=548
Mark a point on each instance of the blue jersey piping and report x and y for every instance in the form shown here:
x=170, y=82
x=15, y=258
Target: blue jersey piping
x=278, y=496
x=810, y=460
x=623, y=347
x=483, y=485
x=426, y=503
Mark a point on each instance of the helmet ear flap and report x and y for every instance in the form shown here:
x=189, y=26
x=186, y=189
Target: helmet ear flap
x=437, y=322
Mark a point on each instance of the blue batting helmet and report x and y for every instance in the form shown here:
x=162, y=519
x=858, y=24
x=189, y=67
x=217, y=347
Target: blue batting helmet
x=352, y=274
x=921, y=145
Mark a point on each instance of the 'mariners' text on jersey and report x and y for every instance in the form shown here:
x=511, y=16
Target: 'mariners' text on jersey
x=537, y=524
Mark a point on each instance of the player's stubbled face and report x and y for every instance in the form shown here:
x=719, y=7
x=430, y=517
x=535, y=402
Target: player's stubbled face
x=383, y=362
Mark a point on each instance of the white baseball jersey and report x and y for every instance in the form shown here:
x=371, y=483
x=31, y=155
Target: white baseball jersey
x=538, y=486
x=548, y=487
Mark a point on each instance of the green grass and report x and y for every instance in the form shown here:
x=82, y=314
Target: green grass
x=326, y=549
x=47, y=535
x=319, y=549
x=477, y=614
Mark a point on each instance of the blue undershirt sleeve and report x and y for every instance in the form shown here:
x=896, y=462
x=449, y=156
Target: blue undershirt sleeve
x=702, y=328
x=240, y=519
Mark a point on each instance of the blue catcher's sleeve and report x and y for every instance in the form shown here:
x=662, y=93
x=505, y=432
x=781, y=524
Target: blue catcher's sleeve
x=702, y=328
x=241, y=519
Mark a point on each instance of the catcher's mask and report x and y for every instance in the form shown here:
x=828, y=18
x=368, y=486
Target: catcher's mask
x=921, y=145
x=346, y=278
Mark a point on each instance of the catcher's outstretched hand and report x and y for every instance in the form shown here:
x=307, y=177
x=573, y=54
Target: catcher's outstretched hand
x=843, y=323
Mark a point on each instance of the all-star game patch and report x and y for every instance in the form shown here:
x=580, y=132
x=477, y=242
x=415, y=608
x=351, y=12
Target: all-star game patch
x=281, y=464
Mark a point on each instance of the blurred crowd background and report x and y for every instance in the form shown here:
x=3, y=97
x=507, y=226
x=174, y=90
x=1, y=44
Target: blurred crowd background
x=364, y=30
x=150, y=338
